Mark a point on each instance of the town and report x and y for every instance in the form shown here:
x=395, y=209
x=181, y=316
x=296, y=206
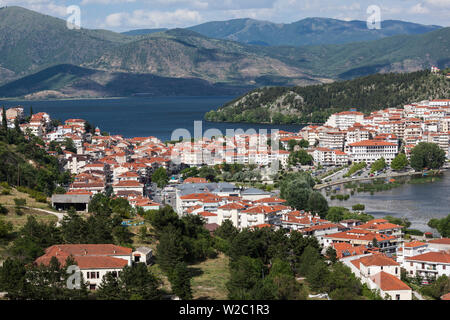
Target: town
x=148, y=173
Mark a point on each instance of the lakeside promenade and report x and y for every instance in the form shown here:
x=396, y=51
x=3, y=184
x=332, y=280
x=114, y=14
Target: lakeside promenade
x=389, y=175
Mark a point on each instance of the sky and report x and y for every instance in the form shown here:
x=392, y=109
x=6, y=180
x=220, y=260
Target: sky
x=123, y=15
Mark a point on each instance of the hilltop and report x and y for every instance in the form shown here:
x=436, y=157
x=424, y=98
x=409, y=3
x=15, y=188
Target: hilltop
x=37, y=47
x=316, y=103
x=309, y=31
x=69, y=81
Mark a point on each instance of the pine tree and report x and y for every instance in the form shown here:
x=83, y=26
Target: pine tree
x=4, y=130
x=109, y=288
x=170, y=252
x=180, y=281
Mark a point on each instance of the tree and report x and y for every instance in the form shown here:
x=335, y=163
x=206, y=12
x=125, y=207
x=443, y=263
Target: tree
x=438, y=288
x=300, y=156
x=6, y=228
x=74, y=228
x=100, y=204
x=162, y=218
x=208, y=173
x=331, y=254
x=307, y=260
x=13, y=279
x=3, y=210
x=138, y=281
x=246, y=273
x=180, y=281
x=109, y=288
x=226, y=230
x=170, y=250
x=378, y=165
x=143, y=234
x=441, y=225
x=69, y=145
x=427, y=155
x=318, y=204
x=160, y=177
x=358, y=207
x=297, y=194
x=135, y=282
x=4, y=129
x=399, y=162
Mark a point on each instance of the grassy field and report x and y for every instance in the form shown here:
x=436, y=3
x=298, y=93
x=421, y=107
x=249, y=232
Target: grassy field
x=210, y=278
x=8, y=200
x=18, y=221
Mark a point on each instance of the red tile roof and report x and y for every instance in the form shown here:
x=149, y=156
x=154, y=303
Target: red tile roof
x=440, y=241
x=370, y=143
x=388, y=282
x=440, y=257
x=87, y=256
x=378, y=260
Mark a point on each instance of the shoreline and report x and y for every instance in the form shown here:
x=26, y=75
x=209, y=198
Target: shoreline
x=342, y=181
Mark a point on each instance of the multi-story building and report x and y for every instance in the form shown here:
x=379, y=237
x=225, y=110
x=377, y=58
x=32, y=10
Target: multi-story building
x=370, y=150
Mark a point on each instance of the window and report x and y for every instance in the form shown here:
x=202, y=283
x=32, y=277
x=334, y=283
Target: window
x=93, y=275
x=396, y=270
x=397, y=297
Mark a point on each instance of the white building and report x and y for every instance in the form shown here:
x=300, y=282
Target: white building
x=371, y=150
x=428, y=265
x=344, y=120
x=94, y=260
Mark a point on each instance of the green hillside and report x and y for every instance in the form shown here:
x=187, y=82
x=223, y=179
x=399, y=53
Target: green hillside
x=69, y=81
x=394, y=54
x=31, y=42
x=316, y=103
x=309, y=31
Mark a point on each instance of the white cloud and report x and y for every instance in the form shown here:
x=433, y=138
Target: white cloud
x=153, y=19
x=439, y=3
x=419, y=9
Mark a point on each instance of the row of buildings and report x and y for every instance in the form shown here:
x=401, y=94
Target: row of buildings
x=350, y=136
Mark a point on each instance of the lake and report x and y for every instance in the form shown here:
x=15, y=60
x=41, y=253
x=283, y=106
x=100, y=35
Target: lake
x=417, y=202
x=146, y=116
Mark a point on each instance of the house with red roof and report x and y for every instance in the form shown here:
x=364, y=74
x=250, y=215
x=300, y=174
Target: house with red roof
x=429, y=264
x=386, y=243
x=94, y=260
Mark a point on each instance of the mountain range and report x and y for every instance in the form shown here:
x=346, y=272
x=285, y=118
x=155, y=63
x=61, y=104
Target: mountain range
x=34, y=47
x=309, y=31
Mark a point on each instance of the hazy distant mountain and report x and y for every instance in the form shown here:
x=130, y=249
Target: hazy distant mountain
x=31, y=42
x=403, y=53
x=141, y=32
x=309, y=31
x=187, y=54
x=69, y=81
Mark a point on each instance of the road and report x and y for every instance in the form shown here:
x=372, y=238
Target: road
x=59, y=215
x=363, y=177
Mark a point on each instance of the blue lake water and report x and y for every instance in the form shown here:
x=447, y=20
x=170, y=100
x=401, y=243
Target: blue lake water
x=134, y=117
x=159, y=116
x=417, y=202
